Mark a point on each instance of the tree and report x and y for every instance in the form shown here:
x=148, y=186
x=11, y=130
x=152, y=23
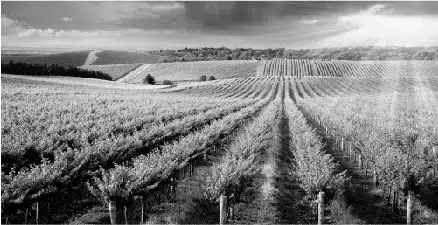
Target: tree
x=244, y=56
x=203, y=78
x=149, y=79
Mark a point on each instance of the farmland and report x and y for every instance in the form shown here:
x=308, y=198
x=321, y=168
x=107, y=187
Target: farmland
x=285, y=67
x=124, y=57
x=266, y=136
x=116, y=71
x=299, y=68
x=63, y=59
x=375, y=68
x=190, y=71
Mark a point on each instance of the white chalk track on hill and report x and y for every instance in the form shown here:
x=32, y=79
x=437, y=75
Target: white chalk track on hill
x=91, y=57
x=133, y=73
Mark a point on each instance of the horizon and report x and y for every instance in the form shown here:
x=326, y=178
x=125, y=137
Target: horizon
x=256, y=25
x=44, y=50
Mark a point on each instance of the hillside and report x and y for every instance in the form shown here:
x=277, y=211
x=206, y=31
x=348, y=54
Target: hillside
x=346, y=68
x=285, y=67
x=169, y=53
x=343, y=68
x=125, y=57
x=63, y=59
x=114, y=70
x=190, y=71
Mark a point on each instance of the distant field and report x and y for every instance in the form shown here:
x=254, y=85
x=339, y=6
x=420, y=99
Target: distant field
x=342, y=68
x=189, y=71
x=78, y=81
x=285, y=67
x=114, y=70
x=125, y=57
x=167, y=53
x=63, y=59
x=119, y=63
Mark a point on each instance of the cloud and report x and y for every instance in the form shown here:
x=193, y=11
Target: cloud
x=15, y=28
x=66, y=19
x=375, y=8
x=210, y=23
x=229, y=15
x=58, y=34
x=37, y=33
x=374, y=27
x=309, y=21
x=363, y=16
x=12, y=27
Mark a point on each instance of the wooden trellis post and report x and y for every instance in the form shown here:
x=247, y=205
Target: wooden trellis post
x=112, y=211
x=222, y=209
x=25, y=216
x=320, y=208
x=409, y=206
x=37, y=212
x=360, y=161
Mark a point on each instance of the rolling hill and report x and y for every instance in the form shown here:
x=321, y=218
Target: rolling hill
x=116, y=71
x=191, y=71
x=64, y=59
x=125, y=57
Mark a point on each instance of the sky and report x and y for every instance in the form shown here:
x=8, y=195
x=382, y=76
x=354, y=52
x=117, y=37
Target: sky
x=174, y=25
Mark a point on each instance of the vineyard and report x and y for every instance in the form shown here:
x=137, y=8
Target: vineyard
x=301, y=148
x=285, y=67
x=193, y=112
x=342, y=68
x=392, y=69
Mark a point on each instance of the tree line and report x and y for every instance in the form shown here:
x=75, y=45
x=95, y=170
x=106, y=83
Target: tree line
x=51, y=70
x=346, y=53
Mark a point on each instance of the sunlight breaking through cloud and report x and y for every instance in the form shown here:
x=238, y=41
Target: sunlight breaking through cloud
x=385, y=29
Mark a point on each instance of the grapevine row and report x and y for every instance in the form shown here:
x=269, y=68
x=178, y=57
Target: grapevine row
x=147, y=171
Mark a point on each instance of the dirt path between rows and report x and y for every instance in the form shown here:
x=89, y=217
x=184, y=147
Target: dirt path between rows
x=275, y=197
x=260, y=204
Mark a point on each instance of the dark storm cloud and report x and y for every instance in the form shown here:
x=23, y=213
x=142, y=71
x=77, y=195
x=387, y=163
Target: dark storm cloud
x=233, y=15
x=417, y=8
x=194, y=16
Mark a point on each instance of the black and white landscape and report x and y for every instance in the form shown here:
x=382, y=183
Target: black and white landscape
x=219, y=112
